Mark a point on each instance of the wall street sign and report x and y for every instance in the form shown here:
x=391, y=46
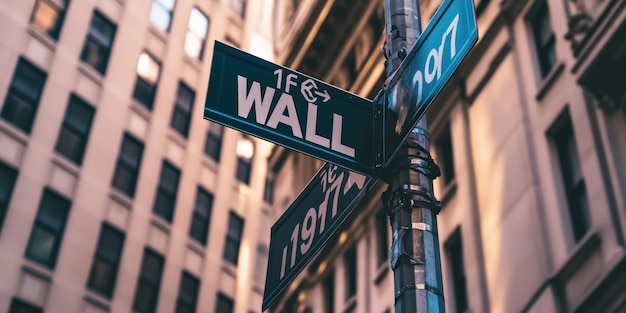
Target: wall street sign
x=291, y=109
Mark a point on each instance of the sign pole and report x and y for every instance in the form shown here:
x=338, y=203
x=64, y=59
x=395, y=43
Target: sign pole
x=409, y=199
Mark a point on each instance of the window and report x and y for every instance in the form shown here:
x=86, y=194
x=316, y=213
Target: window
x=20, y=105
x=545, y=41
x=47, y=233
x=446, y=155
x=147, y=292
x=148, y=71
x=166, y=192
x=245, y=152
x=188, y=294
x=99, y=42
x=224, y=304
x=48, y=16
x=382, y=229
x=8, y=176
x=74, y=133
x=239, y=7
x=19, y=306
x=106, y=261
x=182, y=110
x=161, y=14
x=233, y=238
x=213, y=144
x=562, y=134
x=201, y=216
x=268, y=192
x=454, y=252
x=351, y=270
x=329, y=292
x=128, y=164
x=196, y=34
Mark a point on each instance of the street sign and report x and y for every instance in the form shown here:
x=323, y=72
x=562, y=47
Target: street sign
x=429, y=65
x=289, y=108
x=324, y=204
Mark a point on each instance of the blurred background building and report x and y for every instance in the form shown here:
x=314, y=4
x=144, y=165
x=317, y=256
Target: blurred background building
x=115, y=194
x=530, y=134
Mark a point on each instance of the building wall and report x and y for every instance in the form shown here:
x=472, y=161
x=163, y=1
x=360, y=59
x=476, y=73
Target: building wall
x=508, y=201
x=88, y=186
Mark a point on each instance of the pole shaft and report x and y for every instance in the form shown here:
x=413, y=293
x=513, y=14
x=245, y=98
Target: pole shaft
x=409, y=199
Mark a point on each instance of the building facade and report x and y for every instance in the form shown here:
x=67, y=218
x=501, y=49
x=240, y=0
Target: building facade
x=115, y=194
x=530, y=135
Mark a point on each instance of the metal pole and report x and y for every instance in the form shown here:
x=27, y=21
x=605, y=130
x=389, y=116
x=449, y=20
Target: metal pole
x=409, y=199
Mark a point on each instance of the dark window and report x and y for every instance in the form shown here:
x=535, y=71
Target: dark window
x=544, y=37
x=196, y=34
x=47, y=233
x=454, y=251
x=224, y=304
x=268, y=192
x=562, y=134
x=213, y=144
x=329, y=292
x=148, y=72
x=161, y=14
x=8, y=176
x=20, y=105
x=19, y=306
x=74, y=133
x=245, y=152
x=106, y=261
x=99, y=42
x=350, y=266
x=48, y=16
x=233, y=238
x=147, y=292
x=128, y=165
x=166, y=191
x=188, y=294
x=201, y=216
x=382, y=229
x=446, y=155
x=181, y=118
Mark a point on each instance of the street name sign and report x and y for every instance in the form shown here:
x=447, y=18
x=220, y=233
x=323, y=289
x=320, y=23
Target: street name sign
x=320, y=209
x=289, y=108
x=427, y=68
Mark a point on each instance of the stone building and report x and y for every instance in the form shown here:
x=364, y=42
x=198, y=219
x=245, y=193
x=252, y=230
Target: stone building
x=115, y=194
x=530, y=135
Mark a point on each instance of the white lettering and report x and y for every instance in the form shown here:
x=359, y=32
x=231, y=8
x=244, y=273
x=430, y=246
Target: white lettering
x=311, y=127
x=290, y=81
x=336, y=137
x=291, y=119
x=244, y=102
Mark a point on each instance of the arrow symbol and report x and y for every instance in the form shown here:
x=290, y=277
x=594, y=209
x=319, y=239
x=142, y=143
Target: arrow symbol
x=324, y=94
x=306, y=89
x=354, y=179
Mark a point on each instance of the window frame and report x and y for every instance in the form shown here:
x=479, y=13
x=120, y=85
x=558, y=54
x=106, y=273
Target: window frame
x=543, y=50
x=103, y=58
x=151, y=282
x=143, y=85
x=215, y=136
x=162, y=191
x=26, y=70
x=222, y=298
x=200, y=38
x=180, y=113
x=19, y=304
x=60, y=7
x=169, y=11
x=233, y=238
x=205, y=221
x=454, y=253
x=189, y=304
x=67, y=126
x=99, y=256
x=122, y=162
x=40, y=224
x=7, y=171
x=445, y=154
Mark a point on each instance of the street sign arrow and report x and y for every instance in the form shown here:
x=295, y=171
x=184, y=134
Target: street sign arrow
x=427, y=68
x=291, y=109
x=324, y=204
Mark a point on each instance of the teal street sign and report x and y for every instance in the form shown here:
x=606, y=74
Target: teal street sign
x=427, y=68
x=289, y=108
x=320, y=209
